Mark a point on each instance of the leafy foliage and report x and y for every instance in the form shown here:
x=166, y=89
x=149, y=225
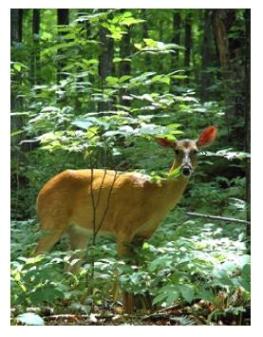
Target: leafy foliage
x=96, y=93
x=181, y=264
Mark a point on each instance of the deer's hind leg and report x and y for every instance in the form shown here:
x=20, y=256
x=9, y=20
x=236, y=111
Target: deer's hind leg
x=78, y=238
x=52, y=228
x=48, y=240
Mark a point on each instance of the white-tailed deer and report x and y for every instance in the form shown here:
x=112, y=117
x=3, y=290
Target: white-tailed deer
x=128, y=205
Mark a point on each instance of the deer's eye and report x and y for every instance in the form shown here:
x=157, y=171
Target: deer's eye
x=194, y=152
x=177, y=152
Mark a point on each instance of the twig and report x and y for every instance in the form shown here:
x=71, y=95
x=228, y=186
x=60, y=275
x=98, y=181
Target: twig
x=156, y=315
x=93, y=203
x=107, y=203
x=217, y=217
x=94, y=217
x=100, y=189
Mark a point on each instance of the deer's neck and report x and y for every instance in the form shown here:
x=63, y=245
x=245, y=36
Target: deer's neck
x=173, y=188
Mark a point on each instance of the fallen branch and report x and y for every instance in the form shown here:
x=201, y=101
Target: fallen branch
x=217, y=217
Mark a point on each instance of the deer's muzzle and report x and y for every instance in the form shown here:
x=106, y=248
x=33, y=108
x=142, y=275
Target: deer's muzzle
x=187, y=171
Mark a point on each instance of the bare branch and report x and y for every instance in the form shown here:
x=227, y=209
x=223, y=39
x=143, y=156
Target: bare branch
x=216, y=217
x=101, y=186
x=107, y=204
x=92, y=201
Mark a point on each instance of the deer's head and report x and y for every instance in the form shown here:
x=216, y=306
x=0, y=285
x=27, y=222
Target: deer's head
x=186, y=149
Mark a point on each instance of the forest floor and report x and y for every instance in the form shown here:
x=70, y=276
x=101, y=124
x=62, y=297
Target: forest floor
x=199, y=313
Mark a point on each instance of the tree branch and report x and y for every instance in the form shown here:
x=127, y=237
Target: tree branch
x=216, y=217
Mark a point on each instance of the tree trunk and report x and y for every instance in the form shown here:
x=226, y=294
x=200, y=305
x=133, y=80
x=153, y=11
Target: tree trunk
x=16, y=105
x=145, y=35
x=206, y=55
x=125, y=66
x=106, y=55
x=247, y=78
x=36, y=22
x=144, y=24
x=247, y=114
x=125, y=51
x=161, y=62
x=36, y=51
x=220, y=32
x=235, y=70
x=105, y=63
x=62, y=20
x=16, y=37
x=16, y=25
x=188, y=43
x=63, y=16
x=176, y=27
x=222, y=44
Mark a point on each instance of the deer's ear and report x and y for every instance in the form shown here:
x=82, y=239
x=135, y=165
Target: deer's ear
x=207, y=136
x=164, y=142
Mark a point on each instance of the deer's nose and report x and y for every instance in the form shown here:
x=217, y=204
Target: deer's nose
x=186, y=171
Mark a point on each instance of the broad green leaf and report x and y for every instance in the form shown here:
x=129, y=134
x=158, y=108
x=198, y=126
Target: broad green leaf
x=175, y=173
x=205, y=294
x=87, y=122
x=131, y=21
x=17, y=67
x=167, y=295
x=161, y=79
x=187, y=292
x=111, y=80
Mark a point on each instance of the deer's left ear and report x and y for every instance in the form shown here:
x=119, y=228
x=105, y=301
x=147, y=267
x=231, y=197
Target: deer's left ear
x=164, y=142
x=207, y=136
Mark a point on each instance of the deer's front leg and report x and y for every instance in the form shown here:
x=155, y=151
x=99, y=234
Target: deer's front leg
x=128, y=250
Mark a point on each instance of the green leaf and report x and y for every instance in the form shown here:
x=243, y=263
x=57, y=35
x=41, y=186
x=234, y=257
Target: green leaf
x=159, y=299
x=149, y=130
x=174, y=173
x=34, y=260
x=18, y=132
x=187, y=292
x=87, y=122
x=131, y=21
x=126, y=129
x=245, y=277
x=17, y=67
x=138, y=46
x=124, y=78
x=161, y=79
x=111, y=80
x=48, y=292
x=167, y=295
x=161, y=261
x=205, y=294
x=150, y=42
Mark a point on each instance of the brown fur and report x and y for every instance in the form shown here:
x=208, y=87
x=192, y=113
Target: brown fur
x=127, y=204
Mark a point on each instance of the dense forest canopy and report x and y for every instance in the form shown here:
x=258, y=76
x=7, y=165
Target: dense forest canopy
x=95, y=87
